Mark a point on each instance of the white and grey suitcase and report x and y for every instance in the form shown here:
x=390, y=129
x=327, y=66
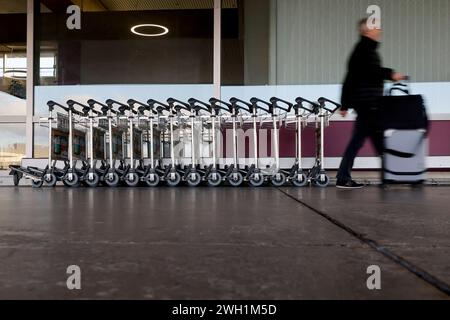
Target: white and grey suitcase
x=404, y=158
x=404, y=122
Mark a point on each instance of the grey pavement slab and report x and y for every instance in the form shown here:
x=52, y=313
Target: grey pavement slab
x=185, y=243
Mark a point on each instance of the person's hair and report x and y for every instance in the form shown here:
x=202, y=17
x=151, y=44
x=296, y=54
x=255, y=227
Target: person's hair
x=362, y=24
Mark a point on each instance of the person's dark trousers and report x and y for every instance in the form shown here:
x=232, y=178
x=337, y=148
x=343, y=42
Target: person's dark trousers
x=365, y=127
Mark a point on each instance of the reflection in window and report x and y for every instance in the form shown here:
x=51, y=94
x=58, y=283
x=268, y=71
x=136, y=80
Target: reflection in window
x=15, y=66
x=40, y=146
x=47, y=66
x=12, y=144
x=110, y=53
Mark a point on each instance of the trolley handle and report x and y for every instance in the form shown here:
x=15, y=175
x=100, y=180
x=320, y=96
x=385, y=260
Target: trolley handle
x=239, y=104
x=178, y=105
x=275, y=100
x=51, y=105
x=199, y=105
x=132, y=102
x=141, y=110
x=104, y=107
x=255, y=105
x=122, y=107
x=86, y=109
x=158, y=105
x=219, y=105
x=322, y=101
x=300, y=105
x=71, y=105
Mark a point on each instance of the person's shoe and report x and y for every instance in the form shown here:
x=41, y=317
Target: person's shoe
x=349, y=185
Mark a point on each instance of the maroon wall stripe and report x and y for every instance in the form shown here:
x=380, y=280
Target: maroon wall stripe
x=338, y=134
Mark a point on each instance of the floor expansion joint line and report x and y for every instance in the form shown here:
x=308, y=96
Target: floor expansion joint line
x=417, y=271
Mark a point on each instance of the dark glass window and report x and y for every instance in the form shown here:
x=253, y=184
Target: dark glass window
x=106, y=51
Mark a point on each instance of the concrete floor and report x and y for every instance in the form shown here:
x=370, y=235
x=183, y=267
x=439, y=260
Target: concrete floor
x=221, y=243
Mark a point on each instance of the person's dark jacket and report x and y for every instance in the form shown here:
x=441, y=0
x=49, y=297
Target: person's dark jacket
x=364, y=82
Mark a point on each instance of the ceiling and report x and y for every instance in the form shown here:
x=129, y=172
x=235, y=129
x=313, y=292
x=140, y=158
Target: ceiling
x=16, y=6
x=20, y=6
x=139, y=5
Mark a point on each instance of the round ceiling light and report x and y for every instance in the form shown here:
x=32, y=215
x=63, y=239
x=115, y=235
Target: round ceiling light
x=163, y=29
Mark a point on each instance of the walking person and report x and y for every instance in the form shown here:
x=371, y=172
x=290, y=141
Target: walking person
x=362, y=89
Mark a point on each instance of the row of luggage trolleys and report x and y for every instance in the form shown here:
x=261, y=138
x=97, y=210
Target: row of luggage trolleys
x=166, y=118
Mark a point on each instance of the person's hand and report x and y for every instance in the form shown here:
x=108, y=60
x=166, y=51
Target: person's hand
x=343, y=113
x=397, y=76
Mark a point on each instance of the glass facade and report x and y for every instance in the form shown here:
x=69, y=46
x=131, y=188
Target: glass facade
x=142, y=49
x=13, y=53
x=128, y=43
x=12, y=144
x=13, y=80
x=40, y=140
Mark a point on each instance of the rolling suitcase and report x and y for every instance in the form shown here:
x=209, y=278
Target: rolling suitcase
x=404, y=123
x=404, y=156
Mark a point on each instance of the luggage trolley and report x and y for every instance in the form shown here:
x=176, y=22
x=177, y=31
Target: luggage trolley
x=213, y=175
x=230, y=173
x=50, y=174
x=127, y=172
x=317, y=175
x=190, y=174
x=109, y=174
x=71, y=178
x=87, y=174
x=253, y=173
x=171, y=176
x=277, y=176
x=149, y=174
x=298, y=176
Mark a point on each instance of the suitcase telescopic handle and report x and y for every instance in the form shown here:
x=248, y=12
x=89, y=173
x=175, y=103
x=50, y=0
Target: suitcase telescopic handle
x=399, y=87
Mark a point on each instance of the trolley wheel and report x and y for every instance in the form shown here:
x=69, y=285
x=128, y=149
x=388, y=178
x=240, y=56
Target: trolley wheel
x=256, y=180
x=152, y=180
x=132, y=179
x=214, y=179
x=16, y=179
x=37, y=183
x=278, y=179
x=300, y=180
x=74, y=182
x=174, y=179
x=112, y=179
x=92, y=180
x=235, y=179
x=322, y=183
x=50, y=179
x=194, y=179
